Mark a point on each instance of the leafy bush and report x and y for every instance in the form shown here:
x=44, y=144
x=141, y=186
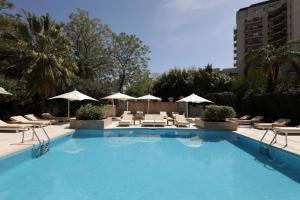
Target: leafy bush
x=218, y=113
x=90, y=112
x=223, y=98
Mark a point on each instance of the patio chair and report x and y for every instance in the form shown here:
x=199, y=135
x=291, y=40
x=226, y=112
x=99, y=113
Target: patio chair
x=23, y=120
x=180, y=120
x=278, y=123
x=126, y=120
x=16, y=128
x=125, y=112
x=164, y=114
x=256, y=119
x=32, y=117
x=287, y=131
x=245, y=117
x=48, y=116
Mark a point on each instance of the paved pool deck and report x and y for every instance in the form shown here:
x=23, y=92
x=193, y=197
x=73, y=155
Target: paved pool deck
x=10, y=142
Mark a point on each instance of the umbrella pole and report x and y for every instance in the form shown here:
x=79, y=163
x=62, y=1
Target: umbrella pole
x=187, y=109
x=148, y=108
x=127, y=105
x=68, y=108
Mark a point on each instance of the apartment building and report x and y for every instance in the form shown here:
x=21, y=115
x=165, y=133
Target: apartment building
x=270, y=22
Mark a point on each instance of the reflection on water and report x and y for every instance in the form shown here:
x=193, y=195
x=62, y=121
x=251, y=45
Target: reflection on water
x=125, y=141
x=70, y=147
x=193, y=142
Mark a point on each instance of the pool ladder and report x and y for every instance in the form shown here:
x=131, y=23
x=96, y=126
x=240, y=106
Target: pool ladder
x=43, y=146
x=266, y=149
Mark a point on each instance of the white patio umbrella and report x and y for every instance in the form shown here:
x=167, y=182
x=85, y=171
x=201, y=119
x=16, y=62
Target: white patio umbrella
x=3, y=91
x=73, y=96
x=149, y=98
x=119, y=96
x=193, y=98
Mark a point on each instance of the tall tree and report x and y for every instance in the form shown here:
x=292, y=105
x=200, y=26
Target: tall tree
x=182, y=82
x=271, y=60
x=38, y=52
x=89, y=41
x=4, y=4
x=130, y=59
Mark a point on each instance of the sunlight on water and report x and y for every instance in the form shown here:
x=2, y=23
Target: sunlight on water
x=70, y=147
x=194, y=142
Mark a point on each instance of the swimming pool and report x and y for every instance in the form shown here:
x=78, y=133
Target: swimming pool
x=151, y=164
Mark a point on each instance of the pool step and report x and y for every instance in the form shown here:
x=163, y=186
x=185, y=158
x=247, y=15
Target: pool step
x=43, y=146
x=41, y=149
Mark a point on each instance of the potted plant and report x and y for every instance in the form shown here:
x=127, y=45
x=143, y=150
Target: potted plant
x=215, y=118
x=90, y=117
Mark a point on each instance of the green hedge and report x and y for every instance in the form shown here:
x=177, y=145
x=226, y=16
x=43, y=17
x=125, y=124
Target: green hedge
x=218, y=113
x=223, y=98
x=90, y=112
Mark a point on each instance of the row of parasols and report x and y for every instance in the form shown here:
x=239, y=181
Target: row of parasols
x=78, y=96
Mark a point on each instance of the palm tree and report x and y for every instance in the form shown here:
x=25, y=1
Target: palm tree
x=38, y=52
x=271, y=59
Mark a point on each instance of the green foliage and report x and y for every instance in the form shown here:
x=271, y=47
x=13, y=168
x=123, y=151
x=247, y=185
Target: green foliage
x=90, y=40
x=223, y=98
x=90, y=112
x=141, y=87
x=130, y=59
x=93, y=88
x=18, y=89
x=38, y=52
x=177, y=82
x=271, y=60
x=4, y=4
x=218, y=113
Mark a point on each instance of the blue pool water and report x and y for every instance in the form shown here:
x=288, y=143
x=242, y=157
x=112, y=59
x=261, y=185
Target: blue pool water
x=188, y=165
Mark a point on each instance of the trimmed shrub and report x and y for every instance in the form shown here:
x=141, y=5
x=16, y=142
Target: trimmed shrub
x=218, y=113
x=90, y=112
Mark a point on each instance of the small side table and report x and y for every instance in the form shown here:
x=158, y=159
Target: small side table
x=169, y=119
x=137, y=119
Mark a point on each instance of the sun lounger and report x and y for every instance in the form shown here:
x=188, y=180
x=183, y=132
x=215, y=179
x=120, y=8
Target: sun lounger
x=278, y=123
x=153, y=120
x=245, y=117
x=23, y=120
x=32, y=117
x=287, y=131
x=126, y=120
x=48, y=116
x=16, y=128
x=180, y=120
x=256, y=119
x=164, y=114
x=126, y=112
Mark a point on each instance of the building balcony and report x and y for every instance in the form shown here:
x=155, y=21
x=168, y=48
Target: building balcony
x=253, y=28
x=279, y=11
x=279, y=24
x=251, y=36
x=277, y=32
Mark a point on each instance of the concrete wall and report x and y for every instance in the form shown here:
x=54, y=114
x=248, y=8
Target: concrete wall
x=110, y=111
